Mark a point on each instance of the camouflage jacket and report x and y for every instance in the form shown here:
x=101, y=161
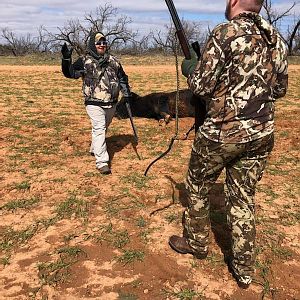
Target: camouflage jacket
x=242, y=71
x=101, y=82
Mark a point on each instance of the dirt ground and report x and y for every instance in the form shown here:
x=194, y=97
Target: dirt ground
x=68, y=232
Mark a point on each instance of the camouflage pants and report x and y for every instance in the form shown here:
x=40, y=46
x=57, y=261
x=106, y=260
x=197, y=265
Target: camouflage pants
x=244, y=164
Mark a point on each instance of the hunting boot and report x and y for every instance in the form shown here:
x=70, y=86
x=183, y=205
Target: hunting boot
x=180, y=245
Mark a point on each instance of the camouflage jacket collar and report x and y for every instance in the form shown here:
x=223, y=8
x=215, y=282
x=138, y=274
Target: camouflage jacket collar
x=266, y=30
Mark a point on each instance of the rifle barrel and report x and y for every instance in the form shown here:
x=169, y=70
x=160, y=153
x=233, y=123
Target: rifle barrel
x=179, y=29
x=174, y=15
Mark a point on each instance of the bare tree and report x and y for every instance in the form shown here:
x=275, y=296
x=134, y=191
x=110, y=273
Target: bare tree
x=26, y=44
x=136, y=46
x=73, y=33
x=293, y=40
x=105, y=19
x=167, y=41
x=273, y=16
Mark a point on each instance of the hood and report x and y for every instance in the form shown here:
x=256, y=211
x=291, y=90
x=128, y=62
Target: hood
x=266, y=29
x=91, y=48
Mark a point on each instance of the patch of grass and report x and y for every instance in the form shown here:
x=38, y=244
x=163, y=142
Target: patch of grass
x=194, y=263
x=46, y=222
x=73, y=207
x=22, y=203
x=282, y=253
x=141, y=222
x=136, y=283
x=5, y=260
x=70, y=237
x=70, y=252
x=118, y=239
x=294, y=60
x=276, y=171
x=284, y=134
x=131, y=256
x=268, y=191
x=185, y=294
x=125, y=296
x=144, y=235
x=12, y=238
x=215, y=259
x=90, y=174
x=292, y=192
x=137, y=180
x=173, y=217
x=116, y=204
x=24, y=185
x=52, y=273
x=264, y=271
x=290, y=217
x=59, y=180
x=90, y=192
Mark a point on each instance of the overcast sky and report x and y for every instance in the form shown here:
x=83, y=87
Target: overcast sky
x=26, y=16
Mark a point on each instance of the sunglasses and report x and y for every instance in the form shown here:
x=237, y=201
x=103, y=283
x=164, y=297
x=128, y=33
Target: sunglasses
x=101, y=43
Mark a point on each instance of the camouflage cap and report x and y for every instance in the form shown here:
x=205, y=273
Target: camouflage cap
x=99, y=36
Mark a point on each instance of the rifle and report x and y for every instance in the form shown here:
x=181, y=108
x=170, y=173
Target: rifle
x=199, y=105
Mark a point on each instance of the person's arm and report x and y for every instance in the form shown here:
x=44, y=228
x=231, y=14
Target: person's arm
x=281, y=84
x=203, y=80
x=123, y=78
x=70, y=70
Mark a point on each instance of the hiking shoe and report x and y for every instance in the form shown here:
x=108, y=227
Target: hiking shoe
x=180, y=245
x=105, y=170
x=242, y=281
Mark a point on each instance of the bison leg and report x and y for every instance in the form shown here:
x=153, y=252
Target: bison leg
x=164, y=111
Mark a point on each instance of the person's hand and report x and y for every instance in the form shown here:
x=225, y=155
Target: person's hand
x=66, y=53
x=188, y=65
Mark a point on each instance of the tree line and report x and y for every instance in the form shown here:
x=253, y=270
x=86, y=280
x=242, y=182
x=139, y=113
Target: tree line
x=122, y=39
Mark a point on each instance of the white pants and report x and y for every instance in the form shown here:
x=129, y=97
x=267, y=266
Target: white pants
x=100, y=119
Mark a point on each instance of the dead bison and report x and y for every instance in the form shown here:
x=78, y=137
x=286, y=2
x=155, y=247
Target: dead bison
x=161, y=106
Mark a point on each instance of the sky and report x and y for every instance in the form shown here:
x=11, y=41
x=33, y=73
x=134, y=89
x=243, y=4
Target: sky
x=24, y=17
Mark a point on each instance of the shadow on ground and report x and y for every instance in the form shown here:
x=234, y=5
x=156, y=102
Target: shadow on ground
x=117, y=143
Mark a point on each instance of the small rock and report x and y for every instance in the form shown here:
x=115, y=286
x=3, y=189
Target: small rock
x=146, y=291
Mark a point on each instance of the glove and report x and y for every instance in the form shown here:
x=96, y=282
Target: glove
x=66, y=53
x=188, y=65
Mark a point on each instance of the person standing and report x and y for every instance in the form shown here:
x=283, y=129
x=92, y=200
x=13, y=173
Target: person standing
x=103, y=77
x=243, y=70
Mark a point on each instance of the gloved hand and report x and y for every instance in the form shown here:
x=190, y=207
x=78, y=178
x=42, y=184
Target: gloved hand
x=66, y=53
x=188, y=65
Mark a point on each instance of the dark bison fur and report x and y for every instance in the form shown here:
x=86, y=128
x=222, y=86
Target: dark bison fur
x=161, y=106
